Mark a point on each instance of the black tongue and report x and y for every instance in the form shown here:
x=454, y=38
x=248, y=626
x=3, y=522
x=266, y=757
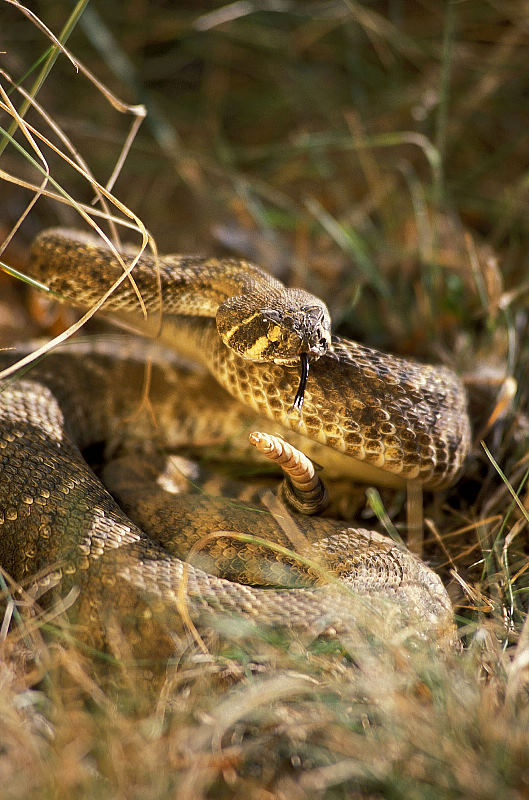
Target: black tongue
x=300, y=394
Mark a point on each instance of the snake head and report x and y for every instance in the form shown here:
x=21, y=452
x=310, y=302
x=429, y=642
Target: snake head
x=295, y=323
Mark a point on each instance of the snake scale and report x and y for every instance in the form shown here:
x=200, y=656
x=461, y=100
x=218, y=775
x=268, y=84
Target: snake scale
x=370, y=415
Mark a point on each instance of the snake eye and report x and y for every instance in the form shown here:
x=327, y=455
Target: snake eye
x=271, y=314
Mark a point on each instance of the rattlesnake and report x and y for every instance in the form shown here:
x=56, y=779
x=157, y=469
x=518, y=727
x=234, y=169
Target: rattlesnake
x=381, y=418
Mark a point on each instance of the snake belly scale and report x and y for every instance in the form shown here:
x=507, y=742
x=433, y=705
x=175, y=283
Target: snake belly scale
x=382, y=418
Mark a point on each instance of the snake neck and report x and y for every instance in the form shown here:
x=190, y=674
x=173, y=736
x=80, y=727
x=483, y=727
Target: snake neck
x=78, y=267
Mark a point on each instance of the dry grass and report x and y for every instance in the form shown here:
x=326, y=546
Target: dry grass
x=378, y=157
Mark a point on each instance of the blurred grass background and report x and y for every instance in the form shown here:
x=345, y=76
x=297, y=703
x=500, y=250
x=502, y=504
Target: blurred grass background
x=376, y=153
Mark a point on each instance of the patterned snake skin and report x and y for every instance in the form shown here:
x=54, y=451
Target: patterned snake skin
x=370, y=415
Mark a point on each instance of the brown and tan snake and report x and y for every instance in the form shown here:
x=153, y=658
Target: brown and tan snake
x=376, y=417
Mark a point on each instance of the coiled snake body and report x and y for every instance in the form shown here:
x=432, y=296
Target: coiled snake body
x=384, y=419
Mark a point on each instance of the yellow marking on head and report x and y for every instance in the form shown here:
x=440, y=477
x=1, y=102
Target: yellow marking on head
x=274, y=334
x=256, y=350
x=236, y=327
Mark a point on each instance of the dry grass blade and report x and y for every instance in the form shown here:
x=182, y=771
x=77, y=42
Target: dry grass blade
x=506, y=482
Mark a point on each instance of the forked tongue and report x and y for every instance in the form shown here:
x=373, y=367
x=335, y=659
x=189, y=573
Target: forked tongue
x=297, y=405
